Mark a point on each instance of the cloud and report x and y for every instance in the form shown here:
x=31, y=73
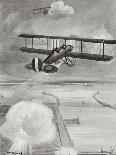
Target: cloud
x=12, y=17
x=101, y=33
x=59, y=10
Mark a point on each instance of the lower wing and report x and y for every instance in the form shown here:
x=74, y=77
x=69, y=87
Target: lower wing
x=38, y=51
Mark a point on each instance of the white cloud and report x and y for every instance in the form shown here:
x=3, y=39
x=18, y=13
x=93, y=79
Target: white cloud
x=59, y=10
x=12, y=17
x=101, y=33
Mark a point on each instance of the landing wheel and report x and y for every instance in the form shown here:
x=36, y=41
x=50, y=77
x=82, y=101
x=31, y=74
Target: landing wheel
x=50, y=69
x=28, y=66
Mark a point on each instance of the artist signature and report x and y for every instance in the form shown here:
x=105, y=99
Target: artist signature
x=15, y=153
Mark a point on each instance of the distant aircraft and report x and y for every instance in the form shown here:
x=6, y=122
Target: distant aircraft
x=41, y=10
x=63, y=53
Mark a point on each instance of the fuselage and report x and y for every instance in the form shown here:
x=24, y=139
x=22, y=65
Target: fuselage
x=58, y=53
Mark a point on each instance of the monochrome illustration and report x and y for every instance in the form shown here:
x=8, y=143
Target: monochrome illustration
x=57, y=77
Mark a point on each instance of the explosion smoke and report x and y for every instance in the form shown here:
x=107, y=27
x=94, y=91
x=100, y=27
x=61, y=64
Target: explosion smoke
x=28, y=123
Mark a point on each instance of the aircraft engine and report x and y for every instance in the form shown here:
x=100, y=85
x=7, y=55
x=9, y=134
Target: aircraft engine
x=50, y=69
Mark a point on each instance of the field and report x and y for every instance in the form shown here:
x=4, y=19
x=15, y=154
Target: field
x=97, y=127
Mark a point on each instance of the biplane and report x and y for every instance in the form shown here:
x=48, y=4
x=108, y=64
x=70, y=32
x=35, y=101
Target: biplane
x=41, y=10
x=63, y=53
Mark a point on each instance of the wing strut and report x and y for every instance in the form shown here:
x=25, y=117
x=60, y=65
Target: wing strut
x=47, y=43
x=81, y=47
x=56, y=44
x=25, y=41
x=53, y=44
x=103, y=49
x=32, y=42
x=100, y=49
x=76, y=45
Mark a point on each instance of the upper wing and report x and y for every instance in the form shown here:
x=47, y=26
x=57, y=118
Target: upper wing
x=70, y=38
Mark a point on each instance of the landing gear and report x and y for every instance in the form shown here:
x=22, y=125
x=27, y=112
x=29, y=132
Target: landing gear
x=68, y=61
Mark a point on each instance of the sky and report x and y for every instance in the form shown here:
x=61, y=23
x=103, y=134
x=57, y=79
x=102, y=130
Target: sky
x=89, y=16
